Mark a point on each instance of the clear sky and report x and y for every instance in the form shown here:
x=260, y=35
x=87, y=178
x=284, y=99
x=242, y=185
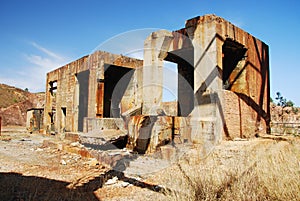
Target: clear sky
x=37, y=36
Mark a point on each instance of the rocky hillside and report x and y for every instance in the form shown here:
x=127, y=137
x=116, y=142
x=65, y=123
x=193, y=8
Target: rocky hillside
x=14, y=103
x=284, y=115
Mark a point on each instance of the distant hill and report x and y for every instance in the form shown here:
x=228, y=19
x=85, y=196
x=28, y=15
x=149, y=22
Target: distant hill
x=10, y=95
x=14, y=103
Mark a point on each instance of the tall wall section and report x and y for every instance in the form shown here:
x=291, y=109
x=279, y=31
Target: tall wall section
x=232, y=70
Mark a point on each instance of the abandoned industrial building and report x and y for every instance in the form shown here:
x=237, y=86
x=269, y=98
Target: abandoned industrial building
x=223, y=89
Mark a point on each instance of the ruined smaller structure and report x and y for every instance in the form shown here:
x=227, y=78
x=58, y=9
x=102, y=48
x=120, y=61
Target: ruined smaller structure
x=223, y=89
x=34, y=121
x=79, y=95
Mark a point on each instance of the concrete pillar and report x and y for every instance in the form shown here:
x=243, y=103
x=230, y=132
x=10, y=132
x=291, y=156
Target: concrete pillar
x=207, y=84
x=155, y=50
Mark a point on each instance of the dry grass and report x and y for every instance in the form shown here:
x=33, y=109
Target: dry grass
x=266, y=170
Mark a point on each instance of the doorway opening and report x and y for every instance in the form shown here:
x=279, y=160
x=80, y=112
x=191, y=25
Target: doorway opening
x=234, y=55
x=184, y=58
x=63, y=118
x=51, y=115
x=83, y=94
x=170, y=88
x=116, y=81
x=53, y=87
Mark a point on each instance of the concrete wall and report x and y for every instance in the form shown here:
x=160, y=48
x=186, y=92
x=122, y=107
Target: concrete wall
x=68, y=94
x=249, y=96
x=240, y=111
x=243, y=110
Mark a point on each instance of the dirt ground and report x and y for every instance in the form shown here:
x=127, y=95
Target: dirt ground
x=30, y=170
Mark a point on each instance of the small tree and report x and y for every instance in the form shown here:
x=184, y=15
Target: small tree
x=281, y=101
x=26, y=89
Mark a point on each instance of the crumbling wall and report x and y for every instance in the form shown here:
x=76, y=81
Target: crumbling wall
x=249, y=81
x=72, y=90
x=230, y=78
x=34, y=122
x=246, y=93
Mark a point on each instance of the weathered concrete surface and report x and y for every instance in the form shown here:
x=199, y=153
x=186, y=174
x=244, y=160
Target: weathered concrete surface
x=155, y=47
x=231, y=70
x=72, y=91
x=102, y=137
x=34, y=118
x=146, y=133
x=94, y=124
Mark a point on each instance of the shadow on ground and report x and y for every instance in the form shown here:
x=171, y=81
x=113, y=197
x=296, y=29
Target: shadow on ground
x=17, y=187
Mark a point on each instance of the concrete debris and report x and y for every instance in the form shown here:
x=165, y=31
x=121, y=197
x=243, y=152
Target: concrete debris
x=111, y=181
x=240, y=139
x=93, y=162
x=39, y=149
x=76, y=144
x=63, y=162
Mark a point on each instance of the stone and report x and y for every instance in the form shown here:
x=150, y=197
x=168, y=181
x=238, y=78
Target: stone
x=93, y=162
x=111, y=181
x=63, y=162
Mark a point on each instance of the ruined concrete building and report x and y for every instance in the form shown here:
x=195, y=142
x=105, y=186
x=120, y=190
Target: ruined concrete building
x=223, y=88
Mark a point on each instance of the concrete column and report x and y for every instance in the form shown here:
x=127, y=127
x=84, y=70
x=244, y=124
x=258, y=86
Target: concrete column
x=207, y=84
x=155, y=50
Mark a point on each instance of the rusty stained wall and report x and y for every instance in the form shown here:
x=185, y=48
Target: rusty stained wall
x=246, y=105
x=242, y=110
x=65, y=102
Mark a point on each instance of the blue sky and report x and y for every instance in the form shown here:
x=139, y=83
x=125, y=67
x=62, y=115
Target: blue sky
x=37, y=36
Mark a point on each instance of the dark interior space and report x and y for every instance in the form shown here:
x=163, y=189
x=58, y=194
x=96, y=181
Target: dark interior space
x=63, y=119
x=233, y=52
x=53, y=87
x=39, y=113
x=64, y=111
x=116, y=80
x=52, y=120
x=83, y=80
x=184, y=58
